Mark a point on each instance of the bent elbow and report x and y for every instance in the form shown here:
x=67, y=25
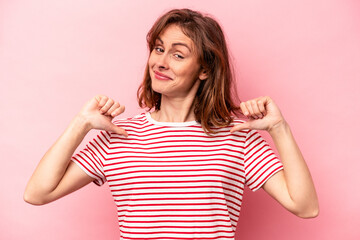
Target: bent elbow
x=33, y=200
x=313, y=214
x=310, y=213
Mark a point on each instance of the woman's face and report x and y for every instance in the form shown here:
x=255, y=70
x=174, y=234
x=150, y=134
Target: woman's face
x=173, y=64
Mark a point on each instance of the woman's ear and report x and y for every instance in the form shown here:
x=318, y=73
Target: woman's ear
x=203, y=75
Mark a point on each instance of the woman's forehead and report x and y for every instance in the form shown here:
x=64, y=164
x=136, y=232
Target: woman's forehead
x=174, y=35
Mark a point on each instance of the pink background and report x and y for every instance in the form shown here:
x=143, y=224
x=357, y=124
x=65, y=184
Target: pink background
x=55, y=55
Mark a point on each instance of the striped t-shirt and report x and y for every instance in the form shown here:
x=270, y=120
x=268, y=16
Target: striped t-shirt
x=170, y=180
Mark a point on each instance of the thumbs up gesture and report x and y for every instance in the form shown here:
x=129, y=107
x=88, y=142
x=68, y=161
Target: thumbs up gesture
x=99, y=113
x=263, y=114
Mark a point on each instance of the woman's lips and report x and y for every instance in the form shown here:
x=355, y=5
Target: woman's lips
x=161, y=76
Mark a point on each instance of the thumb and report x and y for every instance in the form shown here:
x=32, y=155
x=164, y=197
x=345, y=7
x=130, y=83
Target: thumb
x=118, y=130
x=241, y=126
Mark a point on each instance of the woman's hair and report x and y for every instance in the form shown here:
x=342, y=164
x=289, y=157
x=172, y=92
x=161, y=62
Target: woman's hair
x=214, y=100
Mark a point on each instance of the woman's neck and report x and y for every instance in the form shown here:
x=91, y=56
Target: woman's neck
x=175, y=110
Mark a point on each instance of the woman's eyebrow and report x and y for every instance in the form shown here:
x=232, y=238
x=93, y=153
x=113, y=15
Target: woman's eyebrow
x=174, y=44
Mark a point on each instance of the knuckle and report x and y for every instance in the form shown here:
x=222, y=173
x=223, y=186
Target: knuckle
x=102, y=102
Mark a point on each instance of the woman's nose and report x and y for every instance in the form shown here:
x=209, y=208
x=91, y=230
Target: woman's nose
x=162, y=61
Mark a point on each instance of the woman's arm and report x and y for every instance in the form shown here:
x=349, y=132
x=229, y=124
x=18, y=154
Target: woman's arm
x=55, y=163
x=56, y=176
x=292, y=187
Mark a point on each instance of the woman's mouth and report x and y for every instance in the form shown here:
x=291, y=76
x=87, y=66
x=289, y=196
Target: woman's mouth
x=161, y=76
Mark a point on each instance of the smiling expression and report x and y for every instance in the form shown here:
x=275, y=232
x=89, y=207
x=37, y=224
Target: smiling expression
x=173, y=64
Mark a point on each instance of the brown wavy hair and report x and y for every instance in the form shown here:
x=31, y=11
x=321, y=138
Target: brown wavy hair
x=214, y=104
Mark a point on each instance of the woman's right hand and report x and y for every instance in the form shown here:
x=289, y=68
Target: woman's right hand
x=99, y=112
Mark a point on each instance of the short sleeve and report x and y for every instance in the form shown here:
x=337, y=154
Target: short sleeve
x=260, y=160
x=92, y=157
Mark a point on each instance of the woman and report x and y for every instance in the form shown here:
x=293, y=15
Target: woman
x=180, y=170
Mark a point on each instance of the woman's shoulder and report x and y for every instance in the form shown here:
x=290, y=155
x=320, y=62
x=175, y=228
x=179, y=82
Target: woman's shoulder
x=138, y=119
x=225, y=129
x=238, y=119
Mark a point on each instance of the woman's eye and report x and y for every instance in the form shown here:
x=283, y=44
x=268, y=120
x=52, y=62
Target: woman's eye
x=158, y=49
x=179, y=56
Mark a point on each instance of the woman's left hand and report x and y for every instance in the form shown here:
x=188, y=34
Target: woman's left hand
x=263, y=114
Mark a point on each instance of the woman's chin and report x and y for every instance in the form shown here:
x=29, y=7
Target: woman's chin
x=159, y=89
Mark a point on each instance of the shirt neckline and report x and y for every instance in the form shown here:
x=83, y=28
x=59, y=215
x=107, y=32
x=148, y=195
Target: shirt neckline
x=170, y=124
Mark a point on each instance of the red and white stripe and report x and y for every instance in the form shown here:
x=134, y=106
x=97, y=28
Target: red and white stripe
x=172, y=181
